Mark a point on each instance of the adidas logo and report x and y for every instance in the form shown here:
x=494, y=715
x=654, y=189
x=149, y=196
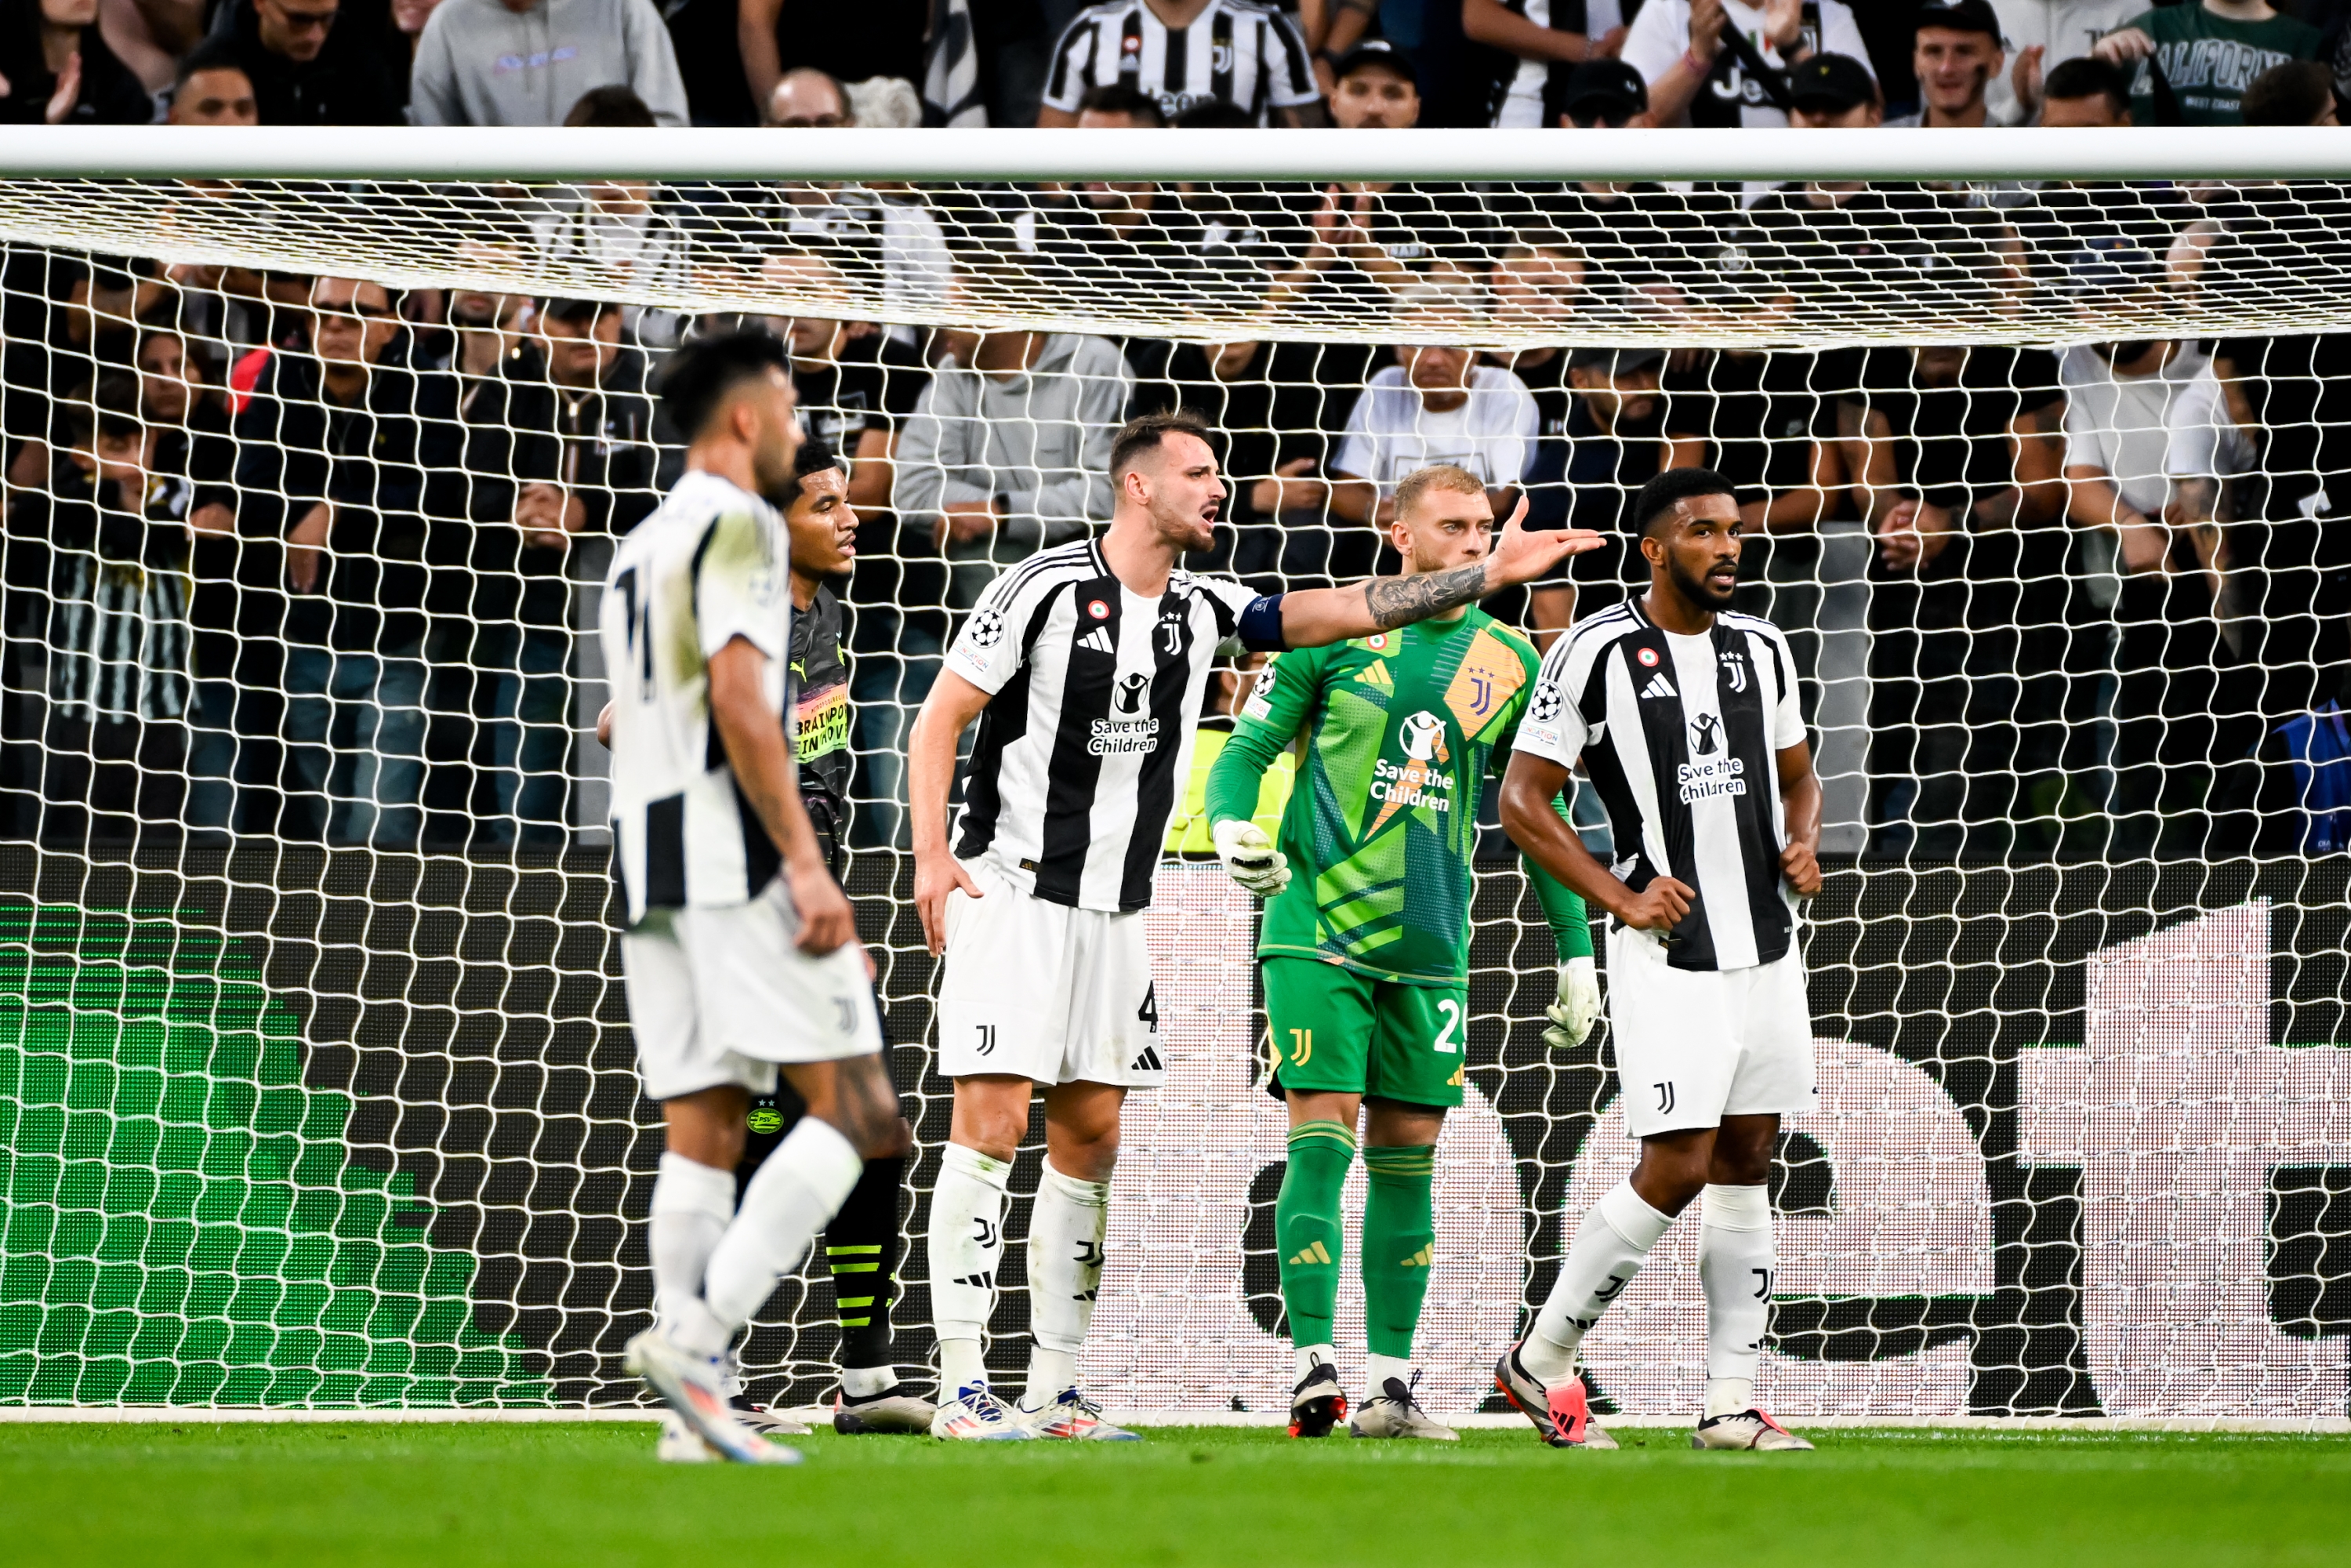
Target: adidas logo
x=1315, y=1253
x=1659, y=687
x=1099, y=641
x=980, y=1282
x=1148, y=1061
x=1420, y=1259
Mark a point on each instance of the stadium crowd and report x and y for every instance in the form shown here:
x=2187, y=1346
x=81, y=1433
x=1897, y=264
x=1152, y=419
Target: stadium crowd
x=302, y=555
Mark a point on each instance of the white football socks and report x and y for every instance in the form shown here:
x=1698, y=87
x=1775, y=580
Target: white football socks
x=802, y=1185
x=964, y=1246
x=1608, y=1250
x=1310, y=1356
x=865, y=1382
x=1065, y=1258
x=1736, y=1261
x=693, y=1204
x=1378, y=1369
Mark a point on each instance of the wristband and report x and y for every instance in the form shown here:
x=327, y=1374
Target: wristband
x=1703, y=67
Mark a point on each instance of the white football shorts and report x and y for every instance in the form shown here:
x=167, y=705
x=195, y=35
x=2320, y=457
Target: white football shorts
x=1045, y=992
x=721, y=995
x=1694, y=1046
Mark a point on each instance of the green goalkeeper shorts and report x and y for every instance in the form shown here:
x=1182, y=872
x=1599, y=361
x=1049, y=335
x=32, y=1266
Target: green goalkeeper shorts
x=1337, y=1032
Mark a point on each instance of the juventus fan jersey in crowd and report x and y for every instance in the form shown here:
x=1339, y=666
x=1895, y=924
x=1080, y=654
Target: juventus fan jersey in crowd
x=1679, y=735
x=1086, y=741
x=707, y=567
x=1236, y=52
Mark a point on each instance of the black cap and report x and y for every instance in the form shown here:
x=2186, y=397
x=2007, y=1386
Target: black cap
x=1603, y=91
x=1834, y=82
x=1961, y=17
x=1615, y=362
x=1375, y=52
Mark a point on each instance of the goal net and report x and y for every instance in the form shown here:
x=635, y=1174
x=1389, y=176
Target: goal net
x=314, y=1065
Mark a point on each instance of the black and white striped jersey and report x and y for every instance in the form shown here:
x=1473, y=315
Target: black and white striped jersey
x=1236, y=52
x=710, y=564
x=1086, y=741
x=1680, y=737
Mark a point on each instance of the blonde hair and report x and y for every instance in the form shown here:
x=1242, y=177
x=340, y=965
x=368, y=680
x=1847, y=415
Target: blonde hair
x=1436, y=477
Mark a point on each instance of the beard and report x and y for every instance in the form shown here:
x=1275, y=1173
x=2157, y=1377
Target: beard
x=1697, y=590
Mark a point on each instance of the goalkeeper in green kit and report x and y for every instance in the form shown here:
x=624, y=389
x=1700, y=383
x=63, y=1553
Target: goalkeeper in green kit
x=1366, y=941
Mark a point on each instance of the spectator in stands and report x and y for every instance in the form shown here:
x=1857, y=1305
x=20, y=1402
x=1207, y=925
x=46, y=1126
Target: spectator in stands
x=2041, y=36
x=2085, y=92
x=1185, y=52
x=212, y=88
x=805, y=98
x=1372, y=89
x=310, y=64
x=334, y=451
x=107, y=541
x=1536, y=285
x=631, y=228
x=2194, y=60
x=497, y=744
x=528, y=62
x=1960, y=454
x=2130, y=564
x=2299, y=92
x=1957, y=56
x=847, y=42
x=1615, y=441
x=1103, y=239
x=408, y=19
x=56, y=69
x=1690, y=54
x=1435, y=404
x=1009, y=447
x=1537, y=43
x=609, y=459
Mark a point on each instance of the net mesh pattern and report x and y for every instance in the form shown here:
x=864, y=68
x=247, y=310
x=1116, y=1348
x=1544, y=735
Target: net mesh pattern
x=315, y=1062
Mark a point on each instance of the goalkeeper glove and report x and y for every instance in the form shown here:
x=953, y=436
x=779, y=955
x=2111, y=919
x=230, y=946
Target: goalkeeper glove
x=1577, y=1007
x=1249, y=856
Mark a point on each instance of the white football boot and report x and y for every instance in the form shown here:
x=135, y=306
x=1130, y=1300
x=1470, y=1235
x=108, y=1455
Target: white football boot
x=1073, y=1415
x=1396, y=1412
x=1747, y=1429
x=975, y=1415
x=693, y=1386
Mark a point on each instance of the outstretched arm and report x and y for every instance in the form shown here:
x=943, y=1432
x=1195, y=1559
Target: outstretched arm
x=1315, y=616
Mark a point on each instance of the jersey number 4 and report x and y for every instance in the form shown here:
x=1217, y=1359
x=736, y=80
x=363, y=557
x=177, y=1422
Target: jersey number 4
x=1149, y=1011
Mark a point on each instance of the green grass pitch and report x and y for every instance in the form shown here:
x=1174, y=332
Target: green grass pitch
x=590, y=1493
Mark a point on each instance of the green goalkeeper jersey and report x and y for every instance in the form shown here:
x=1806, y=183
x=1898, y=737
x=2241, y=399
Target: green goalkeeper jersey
x=1399, y=730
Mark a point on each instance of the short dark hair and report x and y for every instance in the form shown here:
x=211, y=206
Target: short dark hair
x=110, y=407
x=1662, y=494
x=1117, y=97
x=612, y=107
x=1216, y=114
x=1144, y=433
x=814, y=456
x=703, y=370
x=214, y=54
x=2086, y=76
x=2289, y=94
x=581, y=313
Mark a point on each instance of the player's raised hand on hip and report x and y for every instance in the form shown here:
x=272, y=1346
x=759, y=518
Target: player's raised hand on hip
x=1250, y=857
x=1522, y=555
x=1656, y=907
x=936, y=876
x=826, y=921
x=1802, y=867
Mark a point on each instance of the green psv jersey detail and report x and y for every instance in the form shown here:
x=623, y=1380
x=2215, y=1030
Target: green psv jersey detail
x=1399, y=730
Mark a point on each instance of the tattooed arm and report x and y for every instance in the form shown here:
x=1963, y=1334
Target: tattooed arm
x=1315, y=616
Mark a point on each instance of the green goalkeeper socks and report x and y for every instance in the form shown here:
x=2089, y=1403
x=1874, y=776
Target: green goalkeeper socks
x=1399, y=1239
x=1306, y=1225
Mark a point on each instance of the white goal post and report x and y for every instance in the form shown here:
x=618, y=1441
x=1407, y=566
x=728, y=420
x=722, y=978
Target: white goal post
x=2046, y=436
